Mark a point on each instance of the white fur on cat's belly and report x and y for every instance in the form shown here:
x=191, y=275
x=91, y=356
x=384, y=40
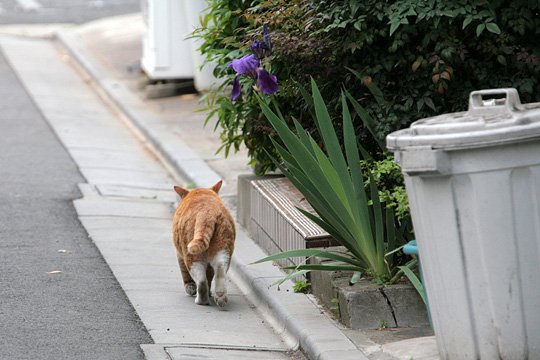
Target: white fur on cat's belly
x=198, y=274
x=220, y=263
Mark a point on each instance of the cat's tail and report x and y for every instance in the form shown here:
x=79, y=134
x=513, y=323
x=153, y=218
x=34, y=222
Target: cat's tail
x=204, y=229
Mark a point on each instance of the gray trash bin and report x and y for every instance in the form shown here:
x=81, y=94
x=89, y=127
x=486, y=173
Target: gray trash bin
x=473, y=180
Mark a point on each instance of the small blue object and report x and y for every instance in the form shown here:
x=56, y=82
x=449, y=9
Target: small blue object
x=411, y=248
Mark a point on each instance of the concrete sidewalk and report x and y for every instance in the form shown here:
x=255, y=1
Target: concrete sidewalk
x=126, y=209
x=106, y=53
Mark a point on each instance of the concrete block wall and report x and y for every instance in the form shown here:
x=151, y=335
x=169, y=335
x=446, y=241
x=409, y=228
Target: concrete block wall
x=366, y=305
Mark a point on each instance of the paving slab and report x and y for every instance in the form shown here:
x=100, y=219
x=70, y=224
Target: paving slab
x=113, y=223
x=94, y=139
x=186, y=352
x=123, y=208
x=422, y=348
x=133, y=178
x=122, y=191
x=119, y=160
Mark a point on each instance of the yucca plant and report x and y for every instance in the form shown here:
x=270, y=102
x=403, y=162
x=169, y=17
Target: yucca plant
x=332, y=183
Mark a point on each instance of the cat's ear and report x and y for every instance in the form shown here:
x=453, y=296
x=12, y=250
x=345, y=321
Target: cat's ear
x=217, y=186
x=181, y=191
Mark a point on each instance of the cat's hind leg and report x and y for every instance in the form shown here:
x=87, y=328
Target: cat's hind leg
x=220, y=263
x=198, y=273
x=189, y=284
x=210, y=277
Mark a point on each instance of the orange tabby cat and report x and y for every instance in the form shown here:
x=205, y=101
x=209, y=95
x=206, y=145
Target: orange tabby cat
x=203, y=234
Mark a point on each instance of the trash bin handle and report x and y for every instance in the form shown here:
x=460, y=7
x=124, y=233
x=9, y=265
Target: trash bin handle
x=509, y=103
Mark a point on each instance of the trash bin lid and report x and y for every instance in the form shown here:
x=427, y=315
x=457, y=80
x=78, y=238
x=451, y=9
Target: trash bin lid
x=495, y=116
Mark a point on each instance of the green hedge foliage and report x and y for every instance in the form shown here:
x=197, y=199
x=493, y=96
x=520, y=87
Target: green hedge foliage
x=425, y=56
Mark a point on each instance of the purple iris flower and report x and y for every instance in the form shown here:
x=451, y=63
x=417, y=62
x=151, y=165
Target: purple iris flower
x=250, y=65
x=246, y=65
x=259, y=49
x=266, y=38
x=264, y=48
x=235, y=88
x=266, y=82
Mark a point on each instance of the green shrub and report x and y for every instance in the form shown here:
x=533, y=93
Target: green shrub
x=389, y=179
x=425, y=56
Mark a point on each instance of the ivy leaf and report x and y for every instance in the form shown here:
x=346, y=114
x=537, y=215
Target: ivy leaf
x=479, y=29
x=493, y=28
x=394, y=26
x=445, y=75
x=484, y=13
x=467, y=21
x=416, y=65
x=420, y=104
x=411, y=12
x=354, y=7
x=501, y=59
x=430, y=103
x=447, y=53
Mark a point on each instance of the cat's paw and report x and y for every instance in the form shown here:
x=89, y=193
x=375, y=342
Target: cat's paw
x=191, y=289
x=200, y=300
x=220, y=298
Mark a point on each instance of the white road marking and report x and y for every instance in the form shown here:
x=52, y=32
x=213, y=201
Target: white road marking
x=29, y=5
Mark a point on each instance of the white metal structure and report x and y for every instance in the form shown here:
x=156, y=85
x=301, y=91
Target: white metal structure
x=204, y=78
x=166, y=52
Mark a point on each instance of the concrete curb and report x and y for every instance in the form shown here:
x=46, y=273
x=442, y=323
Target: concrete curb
x=296, y=317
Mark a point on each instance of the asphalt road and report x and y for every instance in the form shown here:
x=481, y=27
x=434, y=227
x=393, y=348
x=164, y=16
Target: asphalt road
x=58, y=297
x=62, y=11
